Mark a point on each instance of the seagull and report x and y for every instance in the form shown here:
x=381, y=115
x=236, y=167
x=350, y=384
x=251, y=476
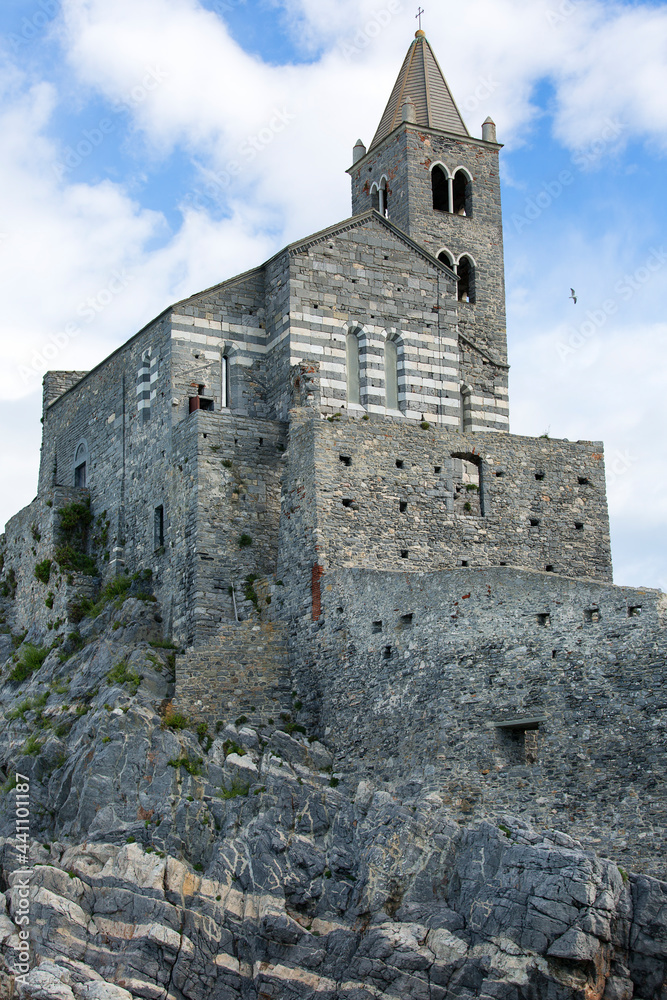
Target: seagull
x=573, y=296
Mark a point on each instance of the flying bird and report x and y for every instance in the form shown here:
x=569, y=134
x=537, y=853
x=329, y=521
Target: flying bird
x=573, y=296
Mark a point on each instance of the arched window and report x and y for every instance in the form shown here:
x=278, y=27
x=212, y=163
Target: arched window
x=375, y=198
x=81, y=465
x=462, y=193
x=353, y=381
x=384, y=198
x=440, y=185
x=391, y=374
x=225, y=395
x=466, y=272
x=446, y=258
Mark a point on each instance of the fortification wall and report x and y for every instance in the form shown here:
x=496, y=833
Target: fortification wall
x=392, y=496
x=419, y=671
x=232, y=534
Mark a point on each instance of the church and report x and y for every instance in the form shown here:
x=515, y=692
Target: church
x=312, y=461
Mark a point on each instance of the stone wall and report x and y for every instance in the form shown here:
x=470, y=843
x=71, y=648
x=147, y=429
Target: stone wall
x=244, y=672
x=515, y=691
x=394, y=496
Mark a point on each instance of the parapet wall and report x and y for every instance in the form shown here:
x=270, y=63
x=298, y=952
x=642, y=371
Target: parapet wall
x=393, y=496
x=513, y=691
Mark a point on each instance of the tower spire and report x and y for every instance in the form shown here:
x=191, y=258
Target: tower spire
x=421, y=80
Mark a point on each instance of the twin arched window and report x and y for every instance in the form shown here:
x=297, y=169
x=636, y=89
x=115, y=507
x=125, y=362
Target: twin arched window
x=451, y=194
x=380, y=198
x=465, y=269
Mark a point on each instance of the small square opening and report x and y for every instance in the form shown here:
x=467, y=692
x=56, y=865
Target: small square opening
x=347, y=502
x=404, y=553
x=544, y=619
x=549, y=568
x=499, y=475
x=635, y=611
x=406, y=621
x=534, y=522
x=578, y=525
x=583, y=481
x=464, y=562
x=387, y=652
x=437, y=469
x=377, y=628
x=592, y=615
x=345, y=459
x=206, y=404
x=399, y=463
x=403, y=506
x=539, y=476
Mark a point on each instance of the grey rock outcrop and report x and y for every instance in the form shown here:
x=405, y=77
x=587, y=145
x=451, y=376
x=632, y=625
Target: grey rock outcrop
x=170, y=864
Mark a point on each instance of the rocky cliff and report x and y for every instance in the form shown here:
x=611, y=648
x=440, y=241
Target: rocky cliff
x=237, y=862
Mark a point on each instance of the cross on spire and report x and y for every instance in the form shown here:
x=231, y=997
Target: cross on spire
x=419, y=15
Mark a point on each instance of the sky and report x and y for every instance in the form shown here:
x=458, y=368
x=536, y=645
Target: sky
x=151, y=148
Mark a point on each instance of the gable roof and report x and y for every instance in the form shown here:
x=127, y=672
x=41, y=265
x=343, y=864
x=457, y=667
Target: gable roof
x=423, y=82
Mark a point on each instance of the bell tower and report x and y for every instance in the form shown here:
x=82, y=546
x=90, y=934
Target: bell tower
x=440, y=185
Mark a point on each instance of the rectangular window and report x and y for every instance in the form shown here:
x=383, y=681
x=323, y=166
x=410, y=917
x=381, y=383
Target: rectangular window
x=158, y=528
x=80, y=475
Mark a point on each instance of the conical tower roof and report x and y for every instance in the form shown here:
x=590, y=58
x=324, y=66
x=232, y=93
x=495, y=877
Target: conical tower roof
x=422, y=81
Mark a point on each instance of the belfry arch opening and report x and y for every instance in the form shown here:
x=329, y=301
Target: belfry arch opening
x=440, y=187
x=384, y=198
x=375, y=198
x=465, y=270
x=462, y=194
x=446, y=258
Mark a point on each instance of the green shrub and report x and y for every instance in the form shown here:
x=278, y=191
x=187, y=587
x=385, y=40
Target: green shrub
x=8, y=586
x=32, y=657
x=249, y=591
x=334, y=782
x=49, y=600
x=175, y=720
x=43, y=571
x=245, y=541
x=425, y=425
x=226, y=463
x=74, y=522
x=238, y=789
x=121, y=674
x=229, y=746
x=34, y=530
x=190, y=764
x=32, y=746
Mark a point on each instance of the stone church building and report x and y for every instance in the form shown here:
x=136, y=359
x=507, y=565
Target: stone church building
x=314, y=460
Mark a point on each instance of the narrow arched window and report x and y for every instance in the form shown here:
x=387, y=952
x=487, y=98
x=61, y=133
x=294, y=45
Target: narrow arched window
x=446, y=258
x=462, y=194
x=353, y=383
x=375, y=198
x=81, y=466
x=391, y=374
x=440, y=185
x=466, y=273
x=224, y=394
x=384, y=198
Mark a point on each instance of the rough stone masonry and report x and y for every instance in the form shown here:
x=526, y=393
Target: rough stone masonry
x=309, y=468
